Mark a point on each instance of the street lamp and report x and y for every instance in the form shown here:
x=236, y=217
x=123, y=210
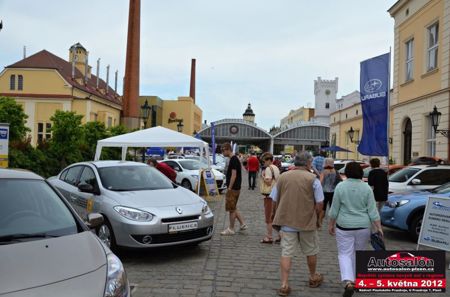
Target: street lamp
x=351, y=133
x=435, y=116
x=180, y=126
x=145, y=112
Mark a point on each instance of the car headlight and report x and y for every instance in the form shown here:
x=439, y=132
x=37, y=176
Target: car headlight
x=134, y=214
x=205, y=209
x=402, y=202
x=116, y=281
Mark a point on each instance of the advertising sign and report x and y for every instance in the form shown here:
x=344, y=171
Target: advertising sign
x=4, y=142
x=210, y=183
x=288, y=149
x=435, y=231
x=400, y=271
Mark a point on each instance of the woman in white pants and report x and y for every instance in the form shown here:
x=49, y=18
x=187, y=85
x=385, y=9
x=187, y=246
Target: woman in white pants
x=352, y=214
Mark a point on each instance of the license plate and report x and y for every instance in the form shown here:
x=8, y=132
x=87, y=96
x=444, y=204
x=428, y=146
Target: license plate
x=182, y=227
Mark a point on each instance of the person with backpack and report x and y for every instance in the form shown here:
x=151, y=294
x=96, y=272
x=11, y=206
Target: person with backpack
x=329, y=178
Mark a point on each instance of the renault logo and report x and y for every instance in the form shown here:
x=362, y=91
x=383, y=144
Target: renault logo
x=179, y=210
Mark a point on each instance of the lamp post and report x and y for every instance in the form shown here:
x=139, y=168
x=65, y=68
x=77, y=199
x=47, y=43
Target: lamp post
x=145, y=111
x=180, y=126
x=435, y=116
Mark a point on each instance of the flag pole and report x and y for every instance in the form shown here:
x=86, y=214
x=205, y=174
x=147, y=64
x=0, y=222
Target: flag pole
x=389, y=108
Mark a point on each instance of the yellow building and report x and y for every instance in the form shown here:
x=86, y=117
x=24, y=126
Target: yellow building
x=421, y=78
x=43, y=83
x=302, y=114
x=181, y=115
x=341, y=122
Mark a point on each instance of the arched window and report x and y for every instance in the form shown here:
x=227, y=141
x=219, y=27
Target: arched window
x=12, y=82
x=20, y=82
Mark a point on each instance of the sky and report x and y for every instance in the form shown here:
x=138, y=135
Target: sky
x=264, y=52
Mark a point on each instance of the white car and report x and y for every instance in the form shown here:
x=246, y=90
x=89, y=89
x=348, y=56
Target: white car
x=419, y=177
x=188, y=173
x=219, y=166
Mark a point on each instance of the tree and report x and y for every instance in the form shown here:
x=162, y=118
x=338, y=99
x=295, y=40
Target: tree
x=92, y=132
x=11, y=112
x=66, y=137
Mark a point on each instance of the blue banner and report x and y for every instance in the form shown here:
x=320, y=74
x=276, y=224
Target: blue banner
x=213, y=140
x=374, y=86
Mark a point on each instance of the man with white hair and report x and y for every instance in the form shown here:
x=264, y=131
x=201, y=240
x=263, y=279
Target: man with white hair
x=299, y=200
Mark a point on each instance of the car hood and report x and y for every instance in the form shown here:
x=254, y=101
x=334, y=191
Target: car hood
x=36, y=263
x=409, y=195
x=156, y=198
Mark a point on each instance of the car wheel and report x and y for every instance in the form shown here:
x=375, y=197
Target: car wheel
x=106, y=234
x=186, y=184
x=415, y=226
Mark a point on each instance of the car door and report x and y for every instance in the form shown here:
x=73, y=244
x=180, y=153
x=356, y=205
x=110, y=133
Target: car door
x=175, y=166
x=429, y=179
x=87, y=202
x=68, y=185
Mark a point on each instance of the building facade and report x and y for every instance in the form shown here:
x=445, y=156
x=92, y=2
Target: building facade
x=421, y=78
x=181, y=115
x=325, y=92
x=302, y=114
x=44, y=83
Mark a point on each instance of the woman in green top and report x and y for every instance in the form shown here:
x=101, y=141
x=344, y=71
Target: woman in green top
x=352, y=214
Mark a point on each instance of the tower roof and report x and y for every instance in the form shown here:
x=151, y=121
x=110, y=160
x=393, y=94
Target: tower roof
x=249, y=111
x=77, y=46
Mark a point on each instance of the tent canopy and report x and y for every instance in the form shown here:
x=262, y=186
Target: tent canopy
x=151, y=137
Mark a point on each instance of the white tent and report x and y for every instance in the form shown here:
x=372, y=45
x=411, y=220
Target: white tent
x=151, y=137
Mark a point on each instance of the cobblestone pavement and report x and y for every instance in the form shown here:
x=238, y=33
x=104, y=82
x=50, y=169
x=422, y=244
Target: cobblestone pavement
x=239, y=265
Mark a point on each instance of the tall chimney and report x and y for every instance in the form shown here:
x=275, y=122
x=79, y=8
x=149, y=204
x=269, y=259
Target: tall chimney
x=107, y=79
x=115, y=81
x=86, y=68
x=131, y=83
x=98, y=71
x=192, y=89
x=24, y=51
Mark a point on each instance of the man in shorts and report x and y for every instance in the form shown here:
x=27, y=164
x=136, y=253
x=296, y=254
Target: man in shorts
x=299, y=200
x=234, y=180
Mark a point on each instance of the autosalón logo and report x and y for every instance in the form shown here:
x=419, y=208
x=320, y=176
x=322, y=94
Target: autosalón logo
x=372, y=88
x=440, y=206
x=3, y=133
x=403, y=261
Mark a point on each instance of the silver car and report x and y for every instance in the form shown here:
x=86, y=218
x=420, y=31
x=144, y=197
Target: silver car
x=142, y=207
x=46, y=249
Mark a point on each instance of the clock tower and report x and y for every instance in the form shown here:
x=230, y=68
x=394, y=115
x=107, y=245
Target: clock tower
x=325, y=92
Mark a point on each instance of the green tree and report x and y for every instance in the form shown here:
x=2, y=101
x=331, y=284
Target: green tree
x=66, y=137
x=12, y=113
x=92, y=132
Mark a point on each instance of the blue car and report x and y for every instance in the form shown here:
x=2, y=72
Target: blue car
x=404, y=211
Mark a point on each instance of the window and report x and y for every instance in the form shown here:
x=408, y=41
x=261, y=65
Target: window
x=356, y=112
x=12, y=82
x=72, y=175
x=409, y=46
x=109, y=122
x=434, y=177
x=431, y=138
x=20, y=82
x=44, y=132
x=88, y=177
x=327, y=105
x=432, y=54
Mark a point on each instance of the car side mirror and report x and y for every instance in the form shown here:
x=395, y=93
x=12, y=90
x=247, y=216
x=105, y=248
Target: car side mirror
x=94, y=220
x=416, y=181
x=86, y=188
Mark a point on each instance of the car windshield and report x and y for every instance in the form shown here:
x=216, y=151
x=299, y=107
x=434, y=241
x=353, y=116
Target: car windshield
x=403, y=175
x=444, y=189
x=192, y=164
x=133, y=178
x=31, y=207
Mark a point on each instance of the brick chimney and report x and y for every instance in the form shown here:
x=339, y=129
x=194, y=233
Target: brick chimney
x=192, y=89
x=130, y=112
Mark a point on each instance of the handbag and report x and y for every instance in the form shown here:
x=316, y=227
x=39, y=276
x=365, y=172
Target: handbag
x=264, y=188
x=377, y=242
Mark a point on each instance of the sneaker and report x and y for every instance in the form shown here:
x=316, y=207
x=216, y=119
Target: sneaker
x=244, y=227
x=227, y=231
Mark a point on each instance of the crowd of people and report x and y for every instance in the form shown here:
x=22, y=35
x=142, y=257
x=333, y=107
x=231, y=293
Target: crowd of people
x=295, y=206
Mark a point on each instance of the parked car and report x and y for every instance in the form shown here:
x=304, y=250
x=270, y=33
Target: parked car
x=46, y=249
x=426, y=161
x=286, y=165
x=188, y=173
x=391, y=169
x=141, y=206
x=219, y=166
x=419, y=177
x=404, y=211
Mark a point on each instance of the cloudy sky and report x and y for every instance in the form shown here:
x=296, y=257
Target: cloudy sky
x=266, y=52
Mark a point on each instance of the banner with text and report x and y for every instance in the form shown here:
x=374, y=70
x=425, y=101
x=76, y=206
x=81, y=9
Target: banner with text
x=374, y=89
x=4, y=143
